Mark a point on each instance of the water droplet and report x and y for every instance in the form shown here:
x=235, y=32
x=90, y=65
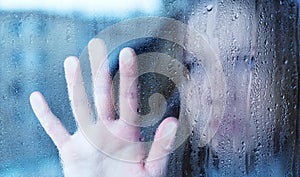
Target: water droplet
x=235, y=17
x=142, y=139
x=209, y=7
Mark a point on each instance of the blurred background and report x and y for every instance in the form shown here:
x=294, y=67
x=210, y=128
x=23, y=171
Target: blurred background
x=258, y=43
x=36, y=37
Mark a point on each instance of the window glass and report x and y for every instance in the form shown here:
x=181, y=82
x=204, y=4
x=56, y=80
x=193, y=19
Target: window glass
x=227, y=70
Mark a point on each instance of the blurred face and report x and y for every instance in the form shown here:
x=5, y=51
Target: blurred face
x=260, y=108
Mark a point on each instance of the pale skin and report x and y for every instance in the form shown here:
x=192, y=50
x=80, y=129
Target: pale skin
x=78, y=156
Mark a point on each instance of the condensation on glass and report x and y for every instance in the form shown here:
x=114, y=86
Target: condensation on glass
x=257, y=43
x=259, y=134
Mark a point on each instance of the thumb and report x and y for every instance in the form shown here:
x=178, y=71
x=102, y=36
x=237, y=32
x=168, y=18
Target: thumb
x=162, y=146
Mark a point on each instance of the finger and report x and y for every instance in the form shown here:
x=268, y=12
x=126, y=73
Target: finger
x=162, y=146
x=101, y=79
x=50, y=122
x=128, y=86
x=79, y=101
x=97, y=54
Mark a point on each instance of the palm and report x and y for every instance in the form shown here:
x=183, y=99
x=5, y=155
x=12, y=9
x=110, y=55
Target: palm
x=108, y=147
x=80, y=158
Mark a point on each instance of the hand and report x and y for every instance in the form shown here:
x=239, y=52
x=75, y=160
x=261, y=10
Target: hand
x=78, y=156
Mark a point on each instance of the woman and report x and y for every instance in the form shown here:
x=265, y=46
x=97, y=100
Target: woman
x=257, y=134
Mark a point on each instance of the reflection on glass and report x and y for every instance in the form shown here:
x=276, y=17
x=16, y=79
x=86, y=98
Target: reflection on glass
x=257, y=44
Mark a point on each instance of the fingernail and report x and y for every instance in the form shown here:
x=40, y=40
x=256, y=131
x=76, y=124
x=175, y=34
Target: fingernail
x=127, y=55
x=38, y=106
x=72, y=66
x=170, y=129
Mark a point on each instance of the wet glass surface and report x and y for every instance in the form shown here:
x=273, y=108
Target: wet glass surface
x=256, y=43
